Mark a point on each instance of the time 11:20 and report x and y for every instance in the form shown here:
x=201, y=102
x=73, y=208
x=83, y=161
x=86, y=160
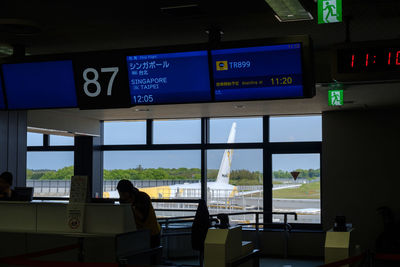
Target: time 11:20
x=281, y=81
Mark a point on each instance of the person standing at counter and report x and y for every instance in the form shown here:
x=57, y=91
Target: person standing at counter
x=6, y=193
x=145, y=216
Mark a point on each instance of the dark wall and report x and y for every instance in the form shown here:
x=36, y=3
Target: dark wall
x=360, y=170
x=13, y=145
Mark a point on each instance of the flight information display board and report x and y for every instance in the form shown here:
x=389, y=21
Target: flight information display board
x=262, y=72
x=169, y=78
x=263, y=69
x=40, y=85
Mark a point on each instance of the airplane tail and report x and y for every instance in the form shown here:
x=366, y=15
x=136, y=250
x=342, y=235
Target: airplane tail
x=225, y=168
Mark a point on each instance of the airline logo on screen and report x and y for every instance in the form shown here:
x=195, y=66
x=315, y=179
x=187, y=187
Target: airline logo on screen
x=232, y=65
x=222, y=65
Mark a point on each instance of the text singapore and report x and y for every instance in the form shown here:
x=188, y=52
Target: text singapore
x=148, y=83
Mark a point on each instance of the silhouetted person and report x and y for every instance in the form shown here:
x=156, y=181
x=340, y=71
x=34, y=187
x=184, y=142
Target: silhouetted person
x=142, y=209
x=6, y=193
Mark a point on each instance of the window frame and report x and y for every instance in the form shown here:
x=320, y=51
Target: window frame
x=268, y=149
x=46, y=147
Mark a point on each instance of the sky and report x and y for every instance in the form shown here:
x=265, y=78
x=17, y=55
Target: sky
x=282, y=129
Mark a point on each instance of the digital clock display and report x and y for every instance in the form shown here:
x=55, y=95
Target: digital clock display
x=169, y=78
x=378, y=59
x=264, y=72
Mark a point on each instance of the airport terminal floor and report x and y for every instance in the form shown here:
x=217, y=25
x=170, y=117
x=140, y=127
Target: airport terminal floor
x=199, y=133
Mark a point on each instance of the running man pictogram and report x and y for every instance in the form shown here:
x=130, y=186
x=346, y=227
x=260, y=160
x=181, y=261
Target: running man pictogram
x=329, y=11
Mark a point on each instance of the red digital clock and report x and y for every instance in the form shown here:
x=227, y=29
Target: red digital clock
x=368, y=61
x=373, y=60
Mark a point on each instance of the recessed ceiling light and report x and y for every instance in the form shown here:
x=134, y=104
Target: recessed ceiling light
x=289, y=10
x=6, y=50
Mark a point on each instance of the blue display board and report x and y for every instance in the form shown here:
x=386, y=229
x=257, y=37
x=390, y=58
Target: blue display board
x=40, y=85
x=264, y=72
x=169, y=78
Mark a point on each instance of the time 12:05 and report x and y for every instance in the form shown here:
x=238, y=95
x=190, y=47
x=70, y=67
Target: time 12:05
x=143, y=98
x=281, y=81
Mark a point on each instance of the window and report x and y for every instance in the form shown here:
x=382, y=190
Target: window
x=234, y=159
x=177, y=131
x=248, y=130
x=301, y=195
x=296, y=128
x=237, y=186
x=58, y=140
x=34, y=139
x=49, y=173
x=124, y=132
x=153, y=169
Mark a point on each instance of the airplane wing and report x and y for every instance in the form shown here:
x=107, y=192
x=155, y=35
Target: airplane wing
x=287, y=186
x=246, y=193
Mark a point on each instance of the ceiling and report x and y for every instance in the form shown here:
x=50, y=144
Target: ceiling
x=68, y=26
x=46, y=27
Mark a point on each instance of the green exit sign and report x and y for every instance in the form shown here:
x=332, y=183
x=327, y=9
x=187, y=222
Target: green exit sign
x=329, y=11
x=335, y=97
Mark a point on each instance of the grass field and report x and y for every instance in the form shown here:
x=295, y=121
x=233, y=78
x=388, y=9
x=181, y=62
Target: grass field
x=305, y=191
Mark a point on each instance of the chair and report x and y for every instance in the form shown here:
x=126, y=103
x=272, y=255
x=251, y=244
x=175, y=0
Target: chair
x=200, y=227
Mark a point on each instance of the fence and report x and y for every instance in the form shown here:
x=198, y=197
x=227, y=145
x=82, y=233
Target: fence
x=61, y=187
x=247, y=198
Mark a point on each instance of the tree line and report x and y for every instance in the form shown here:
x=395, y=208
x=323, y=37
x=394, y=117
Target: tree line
x=237, y=177
x=306, y=174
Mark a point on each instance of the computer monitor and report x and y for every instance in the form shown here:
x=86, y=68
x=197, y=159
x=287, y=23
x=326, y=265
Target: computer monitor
x=24, y=193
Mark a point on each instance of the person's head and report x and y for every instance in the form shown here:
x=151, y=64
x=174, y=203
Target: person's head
x=6, y=180
x=126, y=191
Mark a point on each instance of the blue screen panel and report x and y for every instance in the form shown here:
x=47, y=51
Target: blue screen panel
x=40, y=85
x=2, y=104
x=169, y=78
x=265, y=72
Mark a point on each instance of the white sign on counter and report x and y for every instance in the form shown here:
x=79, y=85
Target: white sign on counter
x=79, y=189
x=75, y=217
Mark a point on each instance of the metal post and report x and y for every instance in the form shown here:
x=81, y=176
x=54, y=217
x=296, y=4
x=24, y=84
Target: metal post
x=204, y=140
x=286, y=233
x=257, y=230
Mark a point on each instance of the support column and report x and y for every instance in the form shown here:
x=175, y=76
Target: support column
x=267, y=174
x=88, y=161
x=13, y=137
x=205, y=126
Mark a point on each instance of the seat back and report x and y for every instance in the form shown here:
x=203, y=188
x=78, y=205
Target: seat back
x=200, y=226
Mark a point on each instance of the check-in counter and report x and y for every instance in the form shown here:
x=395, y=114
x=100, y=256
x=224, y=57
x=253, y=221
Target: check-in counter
x=107, y=231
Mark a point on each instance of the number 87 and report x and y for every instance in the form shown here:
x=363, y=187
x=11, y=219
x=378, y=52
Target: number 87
x=94, y=81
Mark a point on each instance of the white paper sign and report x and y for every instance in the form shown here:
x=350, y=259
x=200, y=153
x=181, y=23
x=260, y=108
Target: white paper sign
x=75, y=217
x=79, y=189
